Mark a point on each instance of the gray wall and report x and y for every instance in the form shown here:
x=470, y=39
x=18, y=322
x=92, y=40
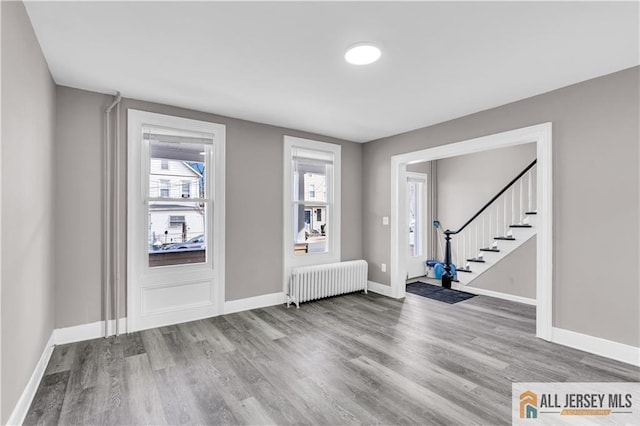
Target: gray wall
x=254, y=259
x=78, y=183
x=27, y=203
x=596, y=191
x=419, y=167
x=514, y=274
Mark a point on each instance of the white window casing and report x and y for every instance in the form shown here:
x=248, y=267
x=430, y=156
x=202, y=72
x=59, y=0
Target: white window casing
x=296, y=151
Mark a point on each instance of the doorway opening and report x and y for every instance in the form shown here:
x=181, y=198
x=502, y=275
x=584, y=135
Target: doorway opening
x=418, y=214
x=539, y=134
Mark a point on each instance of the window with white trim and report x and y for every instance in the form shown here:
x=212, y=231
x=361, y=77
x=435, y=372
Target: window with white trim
x=175, y=245
x=165, y=188
x=186, y=189
x=312, y=201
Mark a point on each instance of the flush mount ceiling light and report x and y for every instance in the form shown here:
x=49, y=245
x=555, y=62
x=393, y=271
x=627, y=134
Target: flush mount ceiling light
x=362, y=54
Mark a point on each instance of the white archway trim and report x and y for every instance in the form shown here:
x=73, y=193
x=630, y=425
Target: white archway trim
x=541, y=134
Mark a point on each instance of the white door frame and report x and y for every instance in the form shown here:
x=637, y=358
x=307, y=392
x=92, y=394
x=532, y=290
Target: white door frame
x=136, y=165
x=541, y=134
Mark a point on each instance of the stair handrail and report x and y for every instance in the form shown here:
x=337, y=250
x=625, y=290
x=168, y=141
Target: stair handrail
x=486, y=206
x=447, y=277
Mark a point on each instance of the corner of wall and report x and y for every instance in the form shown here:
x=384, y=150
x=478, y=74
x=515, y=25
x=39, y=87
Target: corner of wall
x=27, y=306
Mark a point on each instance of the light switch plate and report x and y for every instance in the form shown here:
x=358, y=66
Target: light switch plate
x=385, y=220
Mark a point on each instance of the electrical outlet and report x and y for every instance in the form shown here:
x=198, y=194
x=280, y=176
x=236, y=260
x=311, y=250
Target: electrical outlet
x=383, y=267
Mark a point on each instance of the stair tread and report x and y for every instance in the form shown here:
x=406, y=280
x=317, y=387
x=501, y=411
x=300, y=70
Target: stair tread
x=493, y=250
x=504, y=238
x=464, y=270
x=524, y=225
x=531, y=212
x=476, y=260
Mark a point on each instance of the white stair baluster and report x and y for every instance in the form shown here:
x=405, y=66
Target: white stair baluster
x=497, y=219
x=464, y=246
x=535, y=189
x=457, y=259
x=530, y=186
x=504, y=217
x=476, y=245
x=520, y=211
x=490, y=223
x=513, y=205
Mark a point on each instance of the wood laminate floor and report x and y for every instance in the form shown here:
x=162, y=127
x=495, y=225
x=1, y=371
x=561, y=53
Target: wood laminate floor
x=355, y=359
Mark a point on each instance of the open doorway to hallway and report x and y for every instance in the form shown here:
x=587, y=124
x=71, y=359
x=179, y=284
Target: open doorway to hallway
x=490, y=197
x=540, y=182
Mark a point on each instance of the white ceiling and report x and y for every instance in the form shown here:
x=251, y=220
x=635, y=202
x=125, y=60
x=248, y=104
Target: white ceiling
x=282, y=63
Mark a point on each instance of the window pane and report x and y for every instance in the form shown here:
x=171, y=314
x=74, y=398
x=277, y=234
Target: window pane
x=186, y=188
x=415, y=218
x=165, y=188
x=176, y=233
x=310, y=180
x=310, y=228
x=176, y=169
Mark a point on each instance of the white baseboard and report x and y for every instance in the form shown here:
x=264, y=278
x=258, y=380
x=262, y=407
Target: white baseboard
x=95, y=330
x=89, y=331
x=596, y=345
x=382, y=289
x=254, y=302
x=496, y=294
x=22, y=406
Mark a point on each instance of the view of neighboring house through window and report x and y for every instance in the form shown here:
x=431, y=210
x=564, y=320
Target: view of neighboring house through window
x=176, y=173
x=309, y=174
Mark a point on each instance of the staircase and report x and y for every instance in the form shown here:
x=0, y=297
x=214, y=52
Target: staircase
x=502, y=225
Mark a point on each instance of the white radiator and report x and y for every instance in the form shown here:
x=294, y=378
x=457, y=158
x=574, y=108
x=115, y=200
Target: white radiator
x=318, y=281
